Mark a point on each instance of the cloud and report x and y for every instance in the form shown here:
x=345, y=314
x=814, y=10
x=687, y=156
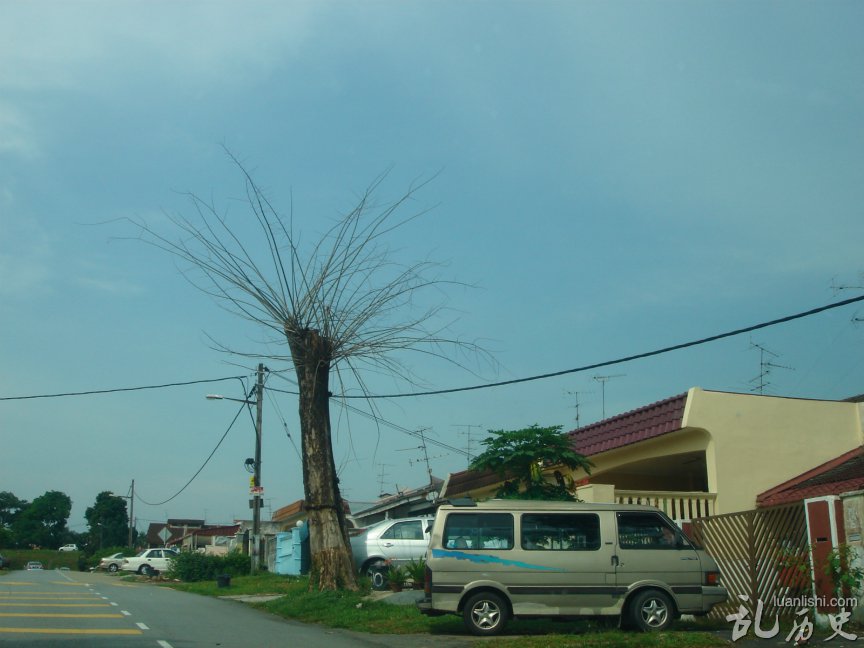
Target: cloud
x=16, y=136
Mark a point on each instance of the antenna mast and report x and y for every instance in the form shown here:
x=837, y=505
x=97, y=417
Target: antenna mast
x=603, y=380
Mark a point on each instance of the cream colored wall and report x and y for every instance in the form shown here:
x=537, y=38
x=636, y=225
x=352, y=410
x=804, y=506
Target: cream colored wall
x=758, y=442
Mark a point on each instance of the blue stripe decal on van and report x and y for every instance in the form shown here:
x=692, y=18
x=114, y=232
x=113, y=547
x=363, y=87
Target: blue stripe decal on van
x=486, y=559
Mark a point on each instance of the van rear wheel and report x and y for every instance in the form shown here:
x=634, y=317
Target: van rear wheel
x=651, y=610
x=485, y=614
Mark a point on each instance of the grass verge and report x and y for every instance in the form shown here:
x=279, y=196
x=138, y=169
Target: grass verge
x=354, y=611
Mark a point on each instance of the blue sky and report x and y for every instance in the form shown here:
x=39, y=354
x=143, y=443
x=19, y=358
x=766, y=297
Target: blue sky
x=611, y=177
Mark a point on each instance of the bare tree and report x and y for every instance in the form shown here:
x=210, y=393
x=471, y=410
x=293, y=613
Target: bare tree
x=342, y=305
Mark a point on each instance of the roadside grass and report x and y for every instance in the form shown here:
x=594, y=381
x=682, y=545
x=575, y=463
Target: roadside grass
x=355, y=611
x=50, y=559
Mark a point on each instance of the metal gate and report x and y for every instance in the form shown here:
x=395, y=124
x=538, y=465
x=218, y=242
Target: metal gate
x=763, y=554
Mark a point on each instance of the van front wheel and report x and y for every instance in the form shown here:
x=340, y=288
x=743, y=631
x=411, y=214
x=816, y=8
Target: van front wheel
x=651, y=610
x=485, y=614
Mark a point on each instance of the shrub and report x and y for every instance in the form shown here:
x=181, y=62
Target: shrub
x=193, y=566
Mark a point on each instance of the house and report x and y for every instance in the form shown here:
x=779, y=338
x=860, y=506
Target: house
x=163, y=534
x=212, y=540
x=701, y=453
x=408, y=503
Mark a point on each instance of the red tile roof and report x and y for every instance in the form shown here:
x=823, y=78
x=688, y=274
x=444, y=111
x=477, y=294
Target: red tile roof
x=631, y=427
x=842, y=474
x=622, y=430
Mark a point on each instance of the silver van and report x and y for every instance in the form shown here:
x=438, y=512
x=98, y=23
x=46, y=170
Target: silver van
x=494, y=560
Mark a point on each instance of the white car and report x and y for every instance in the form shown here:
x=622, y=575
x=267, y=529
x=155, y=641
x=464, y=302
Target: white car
x=112, y=563
x=150, y=561
x=390, y=542
x=69, y=547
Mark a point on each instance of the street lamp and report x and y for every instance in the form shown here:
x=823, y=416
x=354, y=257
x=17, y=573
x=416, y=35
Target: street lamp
x=256, y=483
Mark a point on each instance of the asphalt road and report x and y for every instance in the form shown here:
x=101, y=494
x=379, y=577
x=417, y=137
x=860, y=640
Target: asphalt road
x=77, y=609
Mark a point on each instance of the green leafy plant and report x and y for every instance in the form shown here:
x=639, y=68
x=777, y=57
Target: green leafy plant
x=520, y=457
x=846, y=577
x=397, y=576
x=416, y=572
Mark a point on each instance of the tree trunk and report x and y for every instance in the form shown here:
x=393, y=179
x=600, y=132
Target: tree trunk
x=332, y=566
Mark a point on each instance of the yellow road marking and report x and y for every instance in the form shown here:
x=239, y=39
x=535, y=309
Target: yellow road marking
x=55, y=605
x=77, y=631
x=5, y=582
x=68, y=583
x=46, y=597
x=50, y=615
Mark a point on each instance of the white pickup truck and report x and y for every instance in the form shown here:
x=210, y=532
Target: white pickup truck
x=149, y=561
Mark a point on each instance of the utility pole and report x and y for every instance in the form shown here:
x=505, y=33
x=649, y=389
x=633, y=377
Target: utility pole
x=131, y=513
x=256, y=495
x=256, y=490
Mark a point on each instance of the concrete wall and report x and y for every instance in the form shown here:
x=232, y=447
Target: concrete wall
x=757, y=442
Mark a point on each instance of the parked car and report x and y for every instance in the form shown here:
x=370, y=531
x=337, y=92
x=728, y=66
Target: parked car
x=112, y=563
x=149, y=561
x=390, y=542
x=491, y=561
x=34, y=564
x=68, y=547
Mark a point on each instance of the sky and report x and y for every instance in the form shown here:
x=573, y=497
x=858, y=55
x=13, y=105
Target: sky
x=604, y=179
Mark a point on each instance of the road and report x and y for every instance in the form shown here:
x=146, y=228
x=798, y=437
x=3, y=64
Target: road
x=78, y=609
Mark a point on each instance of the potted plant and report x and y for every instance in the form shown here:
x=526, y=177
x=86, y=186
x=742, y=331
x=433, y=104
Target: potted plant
x=396, y=577
x=417, y=573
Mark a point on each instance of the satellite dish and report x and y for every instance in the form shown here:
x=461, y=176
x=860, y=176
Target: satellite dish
x=432, y=496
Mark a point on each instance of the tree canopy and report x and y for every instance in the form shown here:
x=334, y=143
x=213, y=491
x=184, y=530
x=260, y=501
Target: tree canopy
x=519, y=457
x=108, y=521
x=43, y=522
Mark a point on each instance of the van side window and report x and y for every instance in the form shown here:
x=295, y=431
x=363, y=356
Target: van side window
x=478, y=531
x=404, y=531
x=646, y=531
x=561, y=531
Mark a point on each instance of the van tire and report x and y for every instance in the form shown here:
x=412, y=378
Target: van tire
x=651, y=610
x=485, y=614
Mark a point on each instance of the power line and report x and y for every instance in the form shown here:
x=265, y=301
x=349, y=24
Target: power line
x=198, y=472
x=608, y=363
x=122, y=389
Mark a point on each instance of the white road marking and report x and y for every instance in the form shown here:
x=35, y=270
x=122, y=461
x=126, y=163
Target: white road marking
x=142, y=626
x=124, y=612
x=164, y=644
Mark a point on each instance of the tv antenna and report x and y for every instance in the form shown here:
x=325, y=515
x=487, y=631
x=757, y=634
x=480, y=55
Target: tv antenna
x=603, y=380
x=766, y=365
x=467, y=433
x=575, y=395
x=421, y=433
x=381, y=477
x=835, y=288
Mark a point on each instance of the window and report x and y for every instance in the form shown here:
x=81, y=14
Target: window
x=404, y=531
x=647, y=531
x=478, y=531
x=560, y=532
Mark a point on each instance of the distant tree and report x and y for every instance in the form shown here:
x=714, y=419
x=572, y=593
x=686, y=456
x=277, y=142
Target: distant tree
x=10, y=507
x=339, y=304
x=519, y=457
x=43, y=521
x=108, y=521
